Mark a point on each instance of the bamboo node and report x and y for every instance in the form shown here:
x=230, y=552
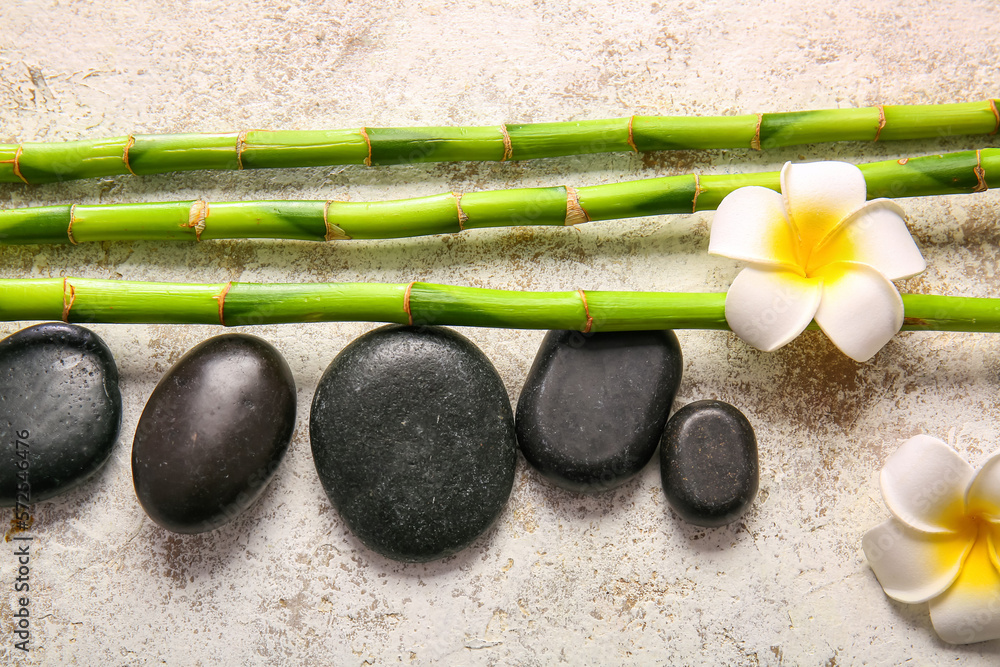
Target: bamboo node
x=406, y=304
x=575, y=213
x=508, y=146
x=197, y=217
x=72, y=219
x=980, y=173
x=333, y=232
x=631, y=137
x=368, y=141
x=129, y=143
x=69, y=296
x=697, y=191
x=755, y=142
x=586, y=312
x=881, y=121
x=17, y=164
x=221, y=298
x=241, y=145
x=996, y=114
x=462, y=217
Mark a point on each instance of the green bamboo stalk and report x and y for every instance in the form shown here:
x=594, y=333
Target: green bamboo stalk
x=46, y=162
x=951, y=173
x=235, y=304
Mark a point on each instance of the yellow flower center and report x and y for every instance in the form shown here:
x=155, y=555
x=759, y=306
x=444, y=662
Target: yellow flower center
x=805, y=254
x=979, y=569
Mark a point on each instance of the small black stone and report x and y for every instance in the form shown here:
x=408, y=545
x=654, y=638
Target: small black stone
x=413, y=439
x=59, y=399
x=708, y=463
x=213, y=433
x=593, y=406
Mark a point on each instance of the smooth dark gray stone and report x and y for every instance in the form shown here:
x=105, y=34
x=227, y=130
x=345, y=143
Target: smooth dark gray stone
x=59, y=398
x=413, y=439
x=213, y=433
x=708, y=463
x=593, y=406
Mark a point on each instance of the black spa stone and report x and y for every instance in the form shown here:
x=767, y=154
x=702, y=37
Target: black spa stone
x=708, y=463
x=593, y=406
x=213, y=433
x=413, y=439
x=60, y=410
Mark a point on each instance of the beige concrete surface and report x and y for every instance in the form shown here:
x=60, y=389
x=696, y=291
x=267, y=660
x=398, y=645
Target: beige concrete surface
x=563, y=578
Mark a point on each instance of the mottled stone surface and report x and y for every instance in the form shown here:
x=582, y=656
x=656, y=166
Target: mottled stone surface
x=213, y=433
x=605, y=579
x=60, y=410
x=593, y=407
x=413, y=439
x=708, y=463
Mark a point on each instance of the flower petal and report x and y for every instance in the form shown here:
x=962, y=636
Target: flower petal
x=913, y=566
x=860, y=309
x=767, y=308
x=875, y=235
x=994, y=537
x=983, y=496
x=923, y=484
x=969, y=611
x=750, y=224
x=819, y=195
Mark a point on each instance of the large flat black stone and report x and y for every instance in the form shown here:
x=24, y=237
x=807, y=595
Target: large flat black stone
x=413, y=439
x=59, y=398
x=593, y=407
x=708, y=463
x=213, y=433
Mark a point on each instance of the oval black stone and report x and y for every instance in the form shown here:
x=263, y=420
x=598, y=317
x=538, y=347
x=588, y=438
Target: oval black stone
x=213, y=433
x=413, y=439
x=593, y=406
x=60, y=409
x=708, y=463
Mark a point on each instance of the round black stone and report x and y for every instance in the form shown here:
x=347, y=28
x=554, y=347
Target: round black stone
x=60, y=410
x=413, y=439
x=213, y=433
x=708, y=463
x=593, y=406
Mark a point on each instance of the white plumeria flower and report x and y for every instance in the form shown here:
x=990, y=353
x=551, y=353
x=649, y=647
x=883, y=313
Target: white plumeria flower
x=941, y=543
x=817, y=250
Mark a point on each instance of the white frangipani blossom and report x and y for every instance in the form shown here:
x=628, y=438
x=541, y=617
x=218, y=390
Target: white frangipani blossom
x=940, y=545
x=816, y=251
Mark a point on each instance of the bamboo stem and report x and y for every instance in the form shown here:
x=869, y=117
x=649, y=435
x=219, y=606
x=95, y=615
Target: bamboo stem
x=46, y=162
x=236, y=304
x=951, y=173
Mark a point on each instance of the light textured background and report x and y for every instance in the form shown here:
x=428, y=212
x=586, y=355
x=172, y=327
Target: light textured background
x=609, y=579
